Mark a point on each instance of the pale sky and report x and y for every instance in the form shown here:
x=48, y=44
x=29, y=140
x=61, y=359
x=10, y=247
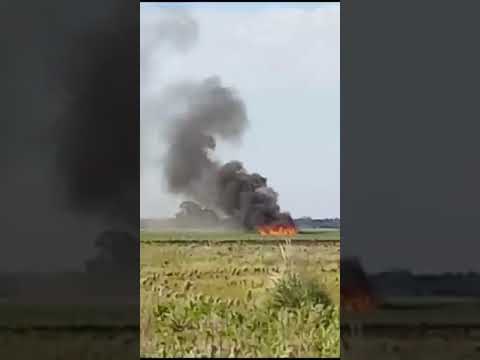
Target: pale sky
x=284, y=61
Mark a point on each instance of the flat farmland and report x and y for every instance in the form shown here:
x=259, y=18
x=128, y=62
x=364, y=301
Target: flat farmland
x=429, y=328
x=52, y=330
x=221, y=294
x=234, y=236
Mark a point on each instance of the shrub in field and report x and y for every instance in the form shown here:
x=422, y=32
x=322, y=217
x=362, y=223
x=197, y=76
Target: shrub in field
x=291, y=291
x=259, y=309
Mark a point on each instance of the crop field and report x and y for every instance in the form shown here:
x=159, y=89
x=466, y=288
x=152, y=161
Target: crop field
x=234, y=294
x=445, y=330
x=52, y=331
x=231, y=236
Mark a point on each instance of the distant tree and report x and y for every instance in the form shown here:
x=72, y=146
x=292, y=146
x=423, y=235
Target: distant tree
x=189, y=208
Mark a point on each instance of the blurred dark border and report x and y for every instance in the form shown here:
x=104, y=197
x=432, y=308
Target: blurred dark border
x=409, y=173
x=69, y=260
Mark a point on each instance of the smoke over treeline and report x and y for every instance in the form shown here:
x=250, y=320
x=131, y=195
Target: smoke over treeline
x=212, y=110
x=194, y=115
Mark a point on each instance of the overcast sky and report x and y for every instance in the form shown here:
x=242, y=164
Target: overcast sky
x=284, y=61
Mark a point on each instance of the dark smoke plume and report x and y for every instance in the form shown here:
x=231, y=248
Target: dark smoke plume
x=163, y=34
x=170, y=27
x=215, y=111
x=62, y=65
x=99, y=151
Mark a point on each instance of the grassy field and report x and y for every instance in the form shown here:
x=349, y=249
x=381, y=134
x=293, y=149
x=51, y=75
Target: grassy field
x=56, y=331
x=437, y=328
x=239, y=298
x=69, y=316
x=231, y=236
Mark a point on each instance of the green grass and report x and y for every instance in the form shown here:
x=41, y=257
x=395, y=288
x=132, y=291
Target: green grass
x=152, y=236
x=215, y=327
x=238, y=299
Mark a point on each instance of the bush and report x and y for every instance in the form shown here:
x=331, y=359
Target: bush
x=291, y=291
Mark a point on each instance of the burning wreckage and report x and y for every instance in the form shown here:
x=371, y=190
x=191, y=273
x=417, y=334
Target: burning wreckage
x=192, y=215
x=356, y=291
x=244, y=199
x=214, y=111
x=251, y=206
x=357, y=296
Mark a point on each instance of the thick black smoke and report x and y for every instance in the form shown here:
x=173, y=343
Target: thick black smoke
x=215, y=111
x=70, y=95
x=99, y=135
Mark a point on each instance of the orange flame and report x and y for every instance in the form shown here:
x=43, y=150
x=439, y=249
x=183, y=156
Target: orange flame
x=277, y=230
x=358, y=302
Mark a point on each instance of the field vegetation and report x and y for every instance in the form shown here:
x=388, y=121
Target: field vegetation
x=235, y=296
x=55, y=331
